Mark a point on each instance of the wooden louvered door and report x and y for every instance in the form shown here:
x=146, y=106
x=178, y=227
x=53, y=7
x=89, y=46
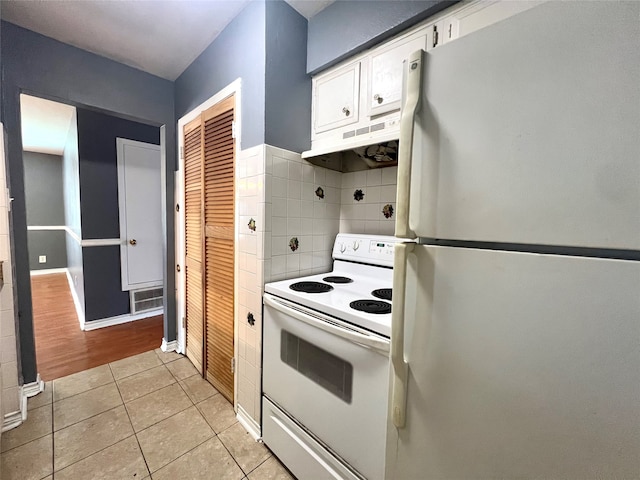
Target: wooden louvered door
x=193, y=213
x=219, y=256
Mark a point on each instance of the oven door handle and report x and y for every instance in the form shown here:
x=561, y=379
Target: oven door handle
x=362, y=339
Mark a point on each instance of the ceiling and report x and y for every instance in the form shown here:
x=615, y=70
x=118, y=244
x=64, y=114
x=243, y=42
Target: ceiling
x=159, y=37
x=45, y=124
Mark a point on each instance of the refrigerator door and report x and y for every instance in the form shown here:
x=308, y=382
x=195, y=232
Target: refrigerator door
x=520, y=366
x=527, y=131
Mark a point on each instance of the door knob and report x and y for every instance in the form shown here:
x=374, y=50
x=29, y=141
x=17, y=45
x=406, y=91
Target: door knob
x=133, y=242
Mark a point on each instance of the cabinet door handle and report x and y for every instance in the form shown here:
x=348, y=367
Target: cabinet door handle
x=346, y=111
x=378, y=98
x=133, y=242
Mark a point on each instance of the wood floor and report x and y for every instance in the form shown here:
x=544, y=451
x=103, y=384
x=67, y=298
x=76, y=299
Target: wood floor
x=62, y=348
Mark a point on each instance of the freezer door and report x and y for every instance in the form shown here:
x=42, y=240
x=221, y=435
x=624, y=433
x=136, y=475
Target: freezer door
x=528, y=131
x=520, y=366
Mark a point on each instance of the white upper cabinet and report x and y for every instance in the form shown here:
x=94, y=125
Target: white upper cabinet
x=336, y=98
x=385, y=74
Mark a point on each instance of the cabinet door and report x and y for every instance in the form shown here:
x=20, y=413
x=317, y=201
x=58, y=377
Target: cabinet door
x=385, y=75
x=336, y=98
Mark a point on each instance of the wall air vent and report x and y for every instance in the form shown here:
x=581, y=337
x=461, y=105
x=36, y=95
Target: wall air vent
x=145, y=300
x=350, y=134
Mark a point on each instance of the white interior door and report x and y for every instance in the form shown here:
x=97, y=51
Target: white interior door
x=139, y=195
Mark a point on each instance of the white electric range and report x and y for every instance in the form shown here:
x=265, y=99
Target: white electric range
x=326, y=363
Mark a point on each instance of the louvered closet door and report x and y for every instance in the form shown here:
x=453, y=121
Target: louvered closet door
x=219, y=214
x=194, y=246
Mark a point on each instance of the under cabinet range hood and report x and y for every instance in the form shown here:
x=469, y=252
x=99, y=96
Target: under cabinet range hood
x=353, y=159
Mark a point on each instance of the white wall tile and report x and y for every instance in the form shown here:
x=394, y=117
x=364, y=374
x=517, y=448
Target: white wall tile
x=309, y=192
x=279, y=225
x=293, y=208
x=388, y=193
x=334, y=179
x=294, y=189
x=374, y=177
x=280, y=167
x=278, y=264
x=295, y=171
x=279, y=207
x=389, y=176
x=293, y=226
x=8, y=346
x=8, y=328
x=9, y=374
x=306, y=209
x=10, y=398
x=279, y=245
x=321, y=176
x=308, y=175
x=279, y=187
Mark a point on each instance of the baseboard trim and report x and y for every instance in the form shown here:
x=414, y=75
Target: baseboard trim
x=47, y=271
x=15, y=419
x=12, y=420
x=249, y=424
x=76, y=300
x=34, y=388
x=120, y=319
x=171, y=346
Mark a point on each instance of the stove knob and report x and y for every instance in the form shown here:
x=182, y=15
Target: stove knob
x=356, y=245
x=343, y=248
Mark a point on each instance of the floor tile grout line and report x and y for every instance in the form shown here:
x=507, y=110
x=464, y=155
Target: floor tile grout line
x=53, y=437
x=260, y=464
x=142, y=371
x=94, y=453
x=88, y=418
x=188, y=451
x=160, y=421
x=33, y=439
x=231, y=454
x=134, y=431
x=80, y=393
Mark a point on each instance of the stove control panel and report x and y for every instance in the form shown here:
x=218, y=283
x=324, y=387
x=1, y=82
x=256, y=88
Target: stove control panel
x=369, y=249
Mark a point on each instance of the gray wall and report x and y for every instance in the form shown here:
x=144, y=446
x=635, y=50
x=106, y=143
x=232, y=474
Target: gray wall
x=34, y=64
x=288, y=87
x=345, y=28
x=71, y=190
x=45, y=207
x=43, y=189
x=52, y=243
x=238, y=52
x=97, y=135
x=104, y=297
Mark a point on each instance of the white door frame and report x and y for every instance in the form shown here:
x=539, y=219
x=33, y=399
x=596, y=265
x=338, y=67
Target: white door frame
x=233, y=88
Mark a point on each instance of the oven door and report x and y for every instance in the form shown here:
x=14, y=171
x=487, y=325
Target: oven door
x=330, y=377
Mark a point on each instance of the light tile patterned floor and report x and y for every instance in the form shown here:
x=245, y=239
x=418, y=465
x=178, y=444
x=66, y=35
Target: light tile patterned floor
x=150, y=416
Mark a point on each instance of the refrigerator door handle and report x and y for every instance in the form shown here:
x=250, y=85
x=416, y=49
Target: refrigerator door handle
x=411, y=101
x=400, y=365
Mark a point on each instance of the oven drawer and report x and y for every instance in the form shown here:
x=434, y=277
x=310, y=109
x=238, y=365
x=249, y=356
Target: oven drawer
x=333, y=383
x=302, y=454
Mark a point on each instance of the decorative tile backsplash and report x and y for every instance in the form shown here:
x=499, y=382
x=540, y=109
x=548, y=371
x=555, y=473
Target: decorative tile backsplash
x=368, y=201
x=304, y=215
x=289, y=215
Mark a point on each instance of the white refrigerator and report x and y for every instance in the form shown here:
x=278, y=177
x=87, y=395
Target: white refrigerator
x=516, y=301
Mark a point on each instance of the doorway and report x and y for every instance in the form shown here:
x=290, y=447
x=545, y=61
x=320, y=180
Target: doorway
x=206, y=239
x=82, y=315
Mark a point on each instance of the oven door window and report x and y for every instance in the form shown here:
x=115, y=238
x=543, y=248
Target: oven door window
x=320, y=366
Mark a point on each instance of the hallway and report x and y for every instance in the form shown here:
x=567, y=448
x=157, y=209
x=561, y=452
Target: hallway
x=147, y=416
x=63, y=349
